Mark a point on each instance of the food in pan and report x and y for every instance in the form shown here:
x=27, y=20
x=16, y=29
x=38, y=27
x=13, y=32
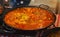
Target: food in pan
x=29, y=18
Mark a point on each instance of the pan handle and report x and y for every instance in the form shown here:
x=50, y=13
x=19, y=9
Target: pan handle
x=44, y=6
x=51, y=26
